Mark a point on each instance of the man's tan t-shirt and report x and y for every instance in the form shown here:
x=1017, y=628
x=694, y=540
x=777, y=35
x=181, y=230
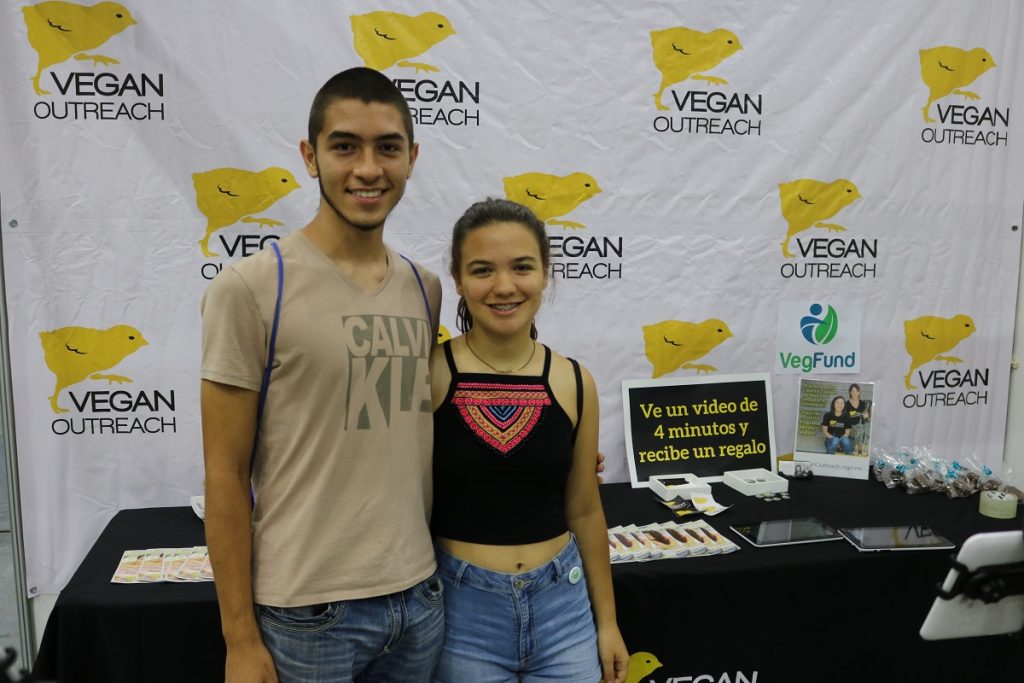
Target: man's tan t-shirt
x=343, y=464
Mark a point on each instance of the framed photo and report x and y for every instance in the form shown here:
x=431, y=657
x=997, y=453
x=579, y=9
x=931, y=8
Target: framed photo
x=833, y=429
x=699, y=425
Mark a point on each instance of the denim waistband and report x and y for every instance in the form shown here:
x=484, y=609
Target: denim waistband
x=463, y=573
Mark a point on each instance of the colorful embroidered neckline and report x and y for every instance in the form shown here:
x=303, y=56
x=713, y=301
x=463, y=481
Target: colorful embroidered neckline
x=501, y=415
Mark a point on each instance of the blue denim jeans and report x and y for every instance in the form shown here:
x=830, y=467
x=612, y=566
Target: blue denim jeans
x=531, y=626
x=834, y=442
x=394, y=638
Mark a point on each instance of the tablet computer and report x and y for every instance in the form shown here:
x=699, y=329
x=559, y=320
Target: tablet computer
x=786, y=532
x=881, y=538
x=963, y=617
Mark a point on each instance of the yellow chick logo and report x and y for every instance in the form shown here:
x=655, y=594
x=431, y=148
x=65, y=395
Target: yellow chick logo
x=550, y=196
x=59, y=30
x=946, y=69
x=384, y=39
x=443, y=334
x=807, y=202
x=672, y=344
x=75, y=353
x=641, y=665
x=229, y=195
x=683, y=53
x=929, y=336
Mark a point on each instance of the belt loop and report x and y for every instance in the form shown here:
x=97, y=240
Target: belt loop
x=559, y=569
x=463, y=566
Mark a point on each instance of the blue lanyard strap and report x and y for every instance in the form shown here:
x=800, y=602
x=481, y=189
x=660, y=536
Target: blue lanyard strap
x=423, y=290
x=270, y=365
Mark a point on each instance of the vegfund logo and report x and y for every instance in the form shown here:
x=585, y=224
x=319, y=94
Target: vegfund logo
x=61, y=31
x=684, y=54
x=818, y=338
x=808, y=203
x=822, y=330
x=226, y=196
x=946, y=70
x=75, y=354
x=551, y=198
x=386, y=39
x=928, y=339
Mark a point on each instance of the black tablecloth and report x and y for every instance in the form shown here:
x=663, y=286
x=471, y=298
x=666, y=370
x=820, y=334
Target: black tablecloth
x=817, y=612
x=814, y=612
x=137, y=633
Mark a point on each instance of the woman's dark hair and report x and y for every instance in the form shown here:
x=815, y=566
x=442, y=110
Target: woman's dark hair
x=852, y=387
x=837, y=398
x=485, y=213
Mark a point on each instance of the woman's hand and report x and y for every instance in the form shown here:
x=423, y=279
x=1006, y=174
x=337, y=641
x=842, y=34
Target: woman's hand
x=614, y=656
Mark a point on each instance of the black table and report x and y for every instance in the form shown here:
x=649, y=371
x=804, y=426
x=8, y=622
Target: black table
x=819, y=612
x=814, y=612
x=136, y=633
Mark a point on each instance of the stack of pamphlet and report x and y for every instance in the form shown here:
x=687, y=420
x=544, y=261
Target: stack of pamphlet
x=666, y=540
x=164, y=564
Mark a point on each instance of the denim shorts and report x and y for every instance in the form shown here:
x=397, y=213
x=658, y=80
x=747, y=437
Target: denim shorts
x=392, y=638
x=535, y=625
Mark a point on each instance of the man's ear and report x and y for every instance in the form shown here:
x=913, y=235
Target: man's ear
x=309, y=158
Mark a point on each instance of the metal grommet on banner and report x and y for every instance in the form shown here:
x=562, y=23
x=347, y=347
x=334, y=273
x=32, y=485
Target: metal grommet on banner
x=998, y=504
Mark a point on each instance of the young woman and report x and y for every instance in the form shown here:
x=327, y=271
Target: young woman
x=835, y=426
x=859, y=412
x=521, y=536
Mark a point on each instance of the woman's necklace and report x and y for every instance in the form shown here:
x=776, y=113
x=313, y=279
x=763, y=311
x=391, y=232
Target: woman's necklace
x=533, y=350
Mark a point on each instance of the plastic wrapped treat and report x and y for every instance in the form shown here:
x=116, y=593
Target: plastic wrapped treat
x=990, y=481
x=956, y=482
x=969, y=472
x=924, y=472
x=885, y=467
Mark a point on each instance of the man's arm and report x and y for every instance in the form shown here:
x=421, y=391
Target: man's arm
x=229, y=427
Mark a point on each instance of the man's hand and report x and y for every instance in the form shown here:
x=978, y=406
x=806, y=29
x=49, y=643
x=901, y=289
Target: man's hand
x=249, y=663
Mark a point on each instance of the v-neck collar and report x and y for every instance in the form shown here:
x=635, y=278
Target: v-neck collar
x=391, y=256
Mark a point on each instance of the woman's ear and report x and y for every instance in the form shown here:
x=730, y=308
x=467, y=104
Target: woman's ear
x=456, y=277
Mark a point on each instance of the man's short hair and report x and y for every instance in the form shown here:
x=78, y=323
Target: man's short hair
x=358, y=83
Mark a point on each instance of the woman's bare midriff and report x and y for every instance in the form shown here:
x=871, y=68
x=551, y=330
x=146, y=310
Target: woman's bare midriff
x=509, y=559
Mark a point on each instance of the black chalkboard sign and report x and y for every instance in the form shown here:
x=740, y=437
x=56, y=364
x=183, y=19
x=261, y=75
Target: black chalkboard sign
x=701, y=425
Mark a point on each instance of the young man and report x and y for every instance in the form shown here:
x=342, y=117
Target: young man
x=331, y=575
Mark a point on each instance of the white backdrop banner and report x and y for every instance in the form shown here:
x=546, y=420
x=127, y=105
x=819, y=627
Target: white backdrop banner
x=700, y=165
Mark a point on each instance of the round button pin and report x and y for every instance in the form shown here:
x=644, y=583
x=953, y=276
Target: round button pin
x=575, y=574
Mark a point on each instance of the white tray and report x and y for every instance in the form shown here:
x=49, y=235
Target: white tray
x=756, y=481
x=694, y=484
